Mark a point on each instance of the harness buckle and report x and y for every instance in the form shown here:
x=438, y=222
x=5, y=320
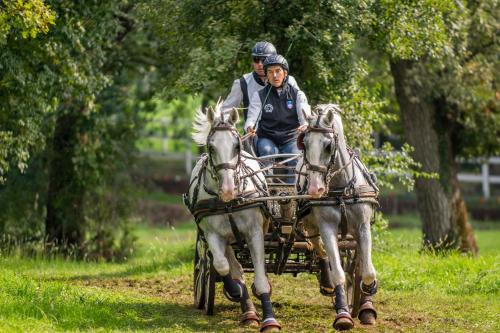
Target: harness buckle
x=349, y=191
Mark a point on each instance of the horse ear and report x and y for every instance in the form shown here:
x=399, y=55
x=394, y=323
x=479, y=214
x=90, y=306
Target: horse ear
x=210, y=115
x=330, y=115
x=307, y=117
x=234, y=116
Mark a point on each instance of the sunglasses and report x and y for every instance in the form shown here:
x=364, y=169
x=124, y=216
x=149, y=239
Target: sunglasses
x=258, y=59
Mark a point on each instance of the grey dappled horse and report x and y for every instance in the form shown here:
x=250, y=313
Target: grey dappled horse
x=224, y=166
x=328, y=162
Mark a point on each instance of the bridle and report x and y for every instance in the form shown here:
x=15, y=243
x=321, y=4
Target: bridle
x=224, y=166
x=324, y=170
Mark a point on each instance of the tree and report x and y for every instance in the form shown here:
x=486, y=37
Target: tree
x=25, y=100
x=443, y=58
x=209, y=44
x=83, y=142
x=79, y=89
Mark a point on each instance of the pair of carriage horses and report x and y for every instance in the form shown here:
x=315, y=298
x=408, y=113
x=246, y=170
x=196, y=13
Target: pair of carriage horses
x=227, y=174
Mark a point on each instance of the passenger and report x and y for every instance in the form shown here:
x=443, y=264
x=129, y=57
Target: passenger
x=276, y=115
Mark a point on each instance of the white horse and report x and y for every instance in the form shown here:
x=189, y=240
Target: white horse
x=217, y=177
x=328, y=162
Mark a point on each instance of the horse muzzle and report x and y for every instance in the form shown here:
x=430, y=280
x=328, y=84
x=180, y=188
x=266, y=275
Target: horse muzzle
x=227, y=190
x=227, y=195
x=316, y=189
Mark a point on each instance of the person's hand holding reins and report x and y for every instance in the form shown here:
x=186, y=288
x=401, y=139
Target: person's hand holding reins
x=302, y=128
x=251, y=131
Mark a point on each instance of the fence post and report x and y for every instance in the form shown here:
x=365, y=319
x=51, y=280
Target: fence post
x=485, y=173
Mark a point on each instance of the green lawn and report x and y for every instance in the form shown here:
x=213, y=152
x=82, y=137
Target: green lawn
x=420, y=292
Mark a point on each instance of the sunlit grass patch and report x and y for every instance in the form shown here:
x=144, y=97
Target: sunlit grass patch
x=151, y=292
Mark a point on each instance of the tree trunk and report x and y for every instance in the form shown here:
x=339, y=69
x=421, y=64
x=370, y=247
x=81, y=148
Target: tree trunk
x=65, y=217
x=440, y=203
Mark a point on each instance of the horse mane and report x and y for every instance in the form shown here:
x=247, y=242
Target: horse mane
x=201, y=125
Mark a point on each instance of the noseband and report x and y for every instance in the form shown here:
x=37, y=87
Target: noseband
x=319, y=168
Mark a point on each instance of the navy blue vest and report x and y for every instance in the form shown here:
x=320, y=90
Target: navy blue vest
x=279, y=119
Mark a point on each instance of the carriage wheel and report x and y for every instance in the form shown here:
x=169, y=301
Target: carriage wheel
x=210, y=277
x=199, y=272
x=352, y=286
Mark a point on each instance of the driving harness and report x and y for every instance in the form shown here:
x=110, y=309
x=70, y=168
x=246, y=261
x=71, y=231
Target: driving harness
x=336, y=196
x=214, y=205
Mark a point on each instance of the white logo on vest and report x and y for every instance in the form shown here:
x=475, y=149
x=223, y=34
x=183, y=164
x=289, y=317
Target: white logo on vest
x=268, y=108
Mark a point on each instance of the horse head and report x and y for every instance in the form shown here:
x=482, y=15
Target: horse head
x=319, y=143
x=224, y=151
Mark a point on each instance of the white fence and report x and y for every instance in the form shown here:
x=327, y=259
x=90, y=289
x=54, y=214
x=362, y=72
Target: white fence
x=484, y=178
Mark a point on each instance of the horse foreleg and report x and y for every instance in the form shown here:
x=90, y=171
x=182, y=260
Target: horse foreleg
x=367, y=313
x=255, y=243
x=217, y=245
x=249, y=313
x=343, y=319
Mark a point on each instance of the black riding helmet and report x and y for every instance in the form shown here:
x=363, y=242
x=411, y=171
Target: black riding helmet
x=276, y=59
x=263, y=49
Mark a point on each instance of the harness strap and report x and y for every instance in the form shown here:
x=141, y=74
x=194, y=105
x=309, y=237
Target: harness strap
x=343, y=218
x=234, y=228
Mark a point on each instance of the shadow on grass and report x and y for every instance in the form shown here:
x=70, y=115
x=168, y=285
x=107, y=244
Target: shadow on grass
x=123, y=316
x=173, y=261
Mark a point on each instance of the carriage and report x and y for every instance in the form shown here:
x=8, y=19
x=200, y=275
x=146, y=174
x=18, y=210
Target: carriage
x=287, y=245
x=229, y=184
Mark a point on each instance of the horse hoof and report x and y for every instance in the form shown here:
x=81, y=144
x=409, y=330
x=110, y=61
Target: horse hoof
x=367, y=313
x=367, y=317
x=250, y=318
x=270, y=325
x=343, y=322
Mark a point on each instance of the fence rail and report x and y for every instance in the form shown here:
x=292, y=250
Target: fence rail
x=484, y=178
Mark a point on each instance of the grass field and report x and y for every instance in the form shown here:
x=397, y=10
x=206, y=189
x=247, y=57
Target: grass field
x=420, y=292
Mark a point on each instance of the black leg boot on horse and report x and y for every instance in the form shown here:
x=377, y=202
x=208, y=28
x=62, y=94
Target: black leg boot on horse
x=236, y=291
x=269, y=323
x=367, y=313
x=233, y=289
x=325, y=278
x=343, y=320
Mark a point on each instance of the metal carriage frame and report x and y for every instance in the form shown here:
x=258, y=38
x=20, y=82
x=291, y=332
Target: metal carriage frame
x=286, y=246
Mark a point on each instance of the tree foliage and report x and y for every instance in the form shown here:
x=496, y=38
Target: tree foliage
x=209, y=44
x=71, y=99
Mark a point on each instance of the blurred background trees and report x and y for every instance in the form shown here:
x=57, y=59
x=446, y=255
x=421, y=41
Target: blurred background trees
x=81, y=82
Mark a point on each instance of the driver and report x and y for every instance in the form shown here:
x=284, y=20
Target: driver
x=250, y=83
x=276, y=112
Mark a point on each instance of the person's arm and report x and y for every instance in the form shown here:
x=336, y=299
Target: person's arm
x=253, y=110
x=234, y=98
x=302, y=107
